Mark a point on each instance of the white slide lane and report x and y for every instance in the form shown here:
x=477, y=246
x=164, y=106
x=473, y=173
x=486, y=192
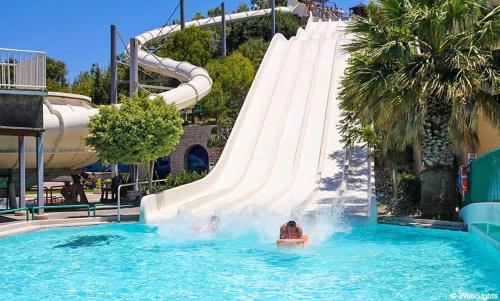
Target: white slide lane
x=284, y=138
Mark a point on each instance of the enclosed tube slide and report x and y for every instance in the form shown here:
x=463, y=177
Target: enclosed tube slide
x=66, y=115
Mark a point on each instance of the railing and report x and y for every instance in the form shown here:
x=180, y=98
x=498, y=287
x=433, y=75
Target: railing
x=118, y=201
x=46, y=208
x=22, y=69
x=16, y=210
x=484, y=179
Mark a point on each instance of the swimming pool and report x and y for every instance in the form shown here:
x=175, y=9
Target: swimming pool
x=134, y=262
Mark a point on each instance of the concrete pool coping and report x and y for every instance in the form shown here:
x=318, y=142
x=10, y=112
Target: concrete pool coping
x=30, y=226
x=422, y=223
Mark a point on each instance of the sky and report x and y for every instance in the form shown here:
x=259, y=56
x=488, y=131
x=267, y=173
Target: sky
x=77, y=31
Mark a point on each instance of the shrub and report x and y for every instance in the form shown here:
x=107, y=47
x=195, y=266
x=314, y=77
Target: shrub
x=171, y=181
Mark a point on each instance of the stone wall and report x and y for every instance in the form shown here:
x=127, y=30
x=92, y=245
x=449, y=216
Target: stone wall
x=193, y=134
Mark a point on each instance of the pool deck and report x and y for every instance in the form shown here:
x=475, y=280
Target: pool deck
x=422, y=223
x=11, y=224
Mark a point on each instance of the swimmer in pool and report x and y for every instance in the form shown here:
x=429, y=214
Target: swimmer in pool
x=214, y=223
x=212, y=226
x=291, y=230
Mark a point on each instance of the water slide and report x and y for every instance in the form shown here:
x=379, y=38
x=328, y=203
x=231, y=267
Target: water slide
x=283, y=154
x=66, y=115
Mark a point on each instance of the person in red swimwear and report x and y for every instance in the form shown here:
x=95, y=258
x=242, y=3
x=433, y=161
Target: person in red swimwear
x=290, y=230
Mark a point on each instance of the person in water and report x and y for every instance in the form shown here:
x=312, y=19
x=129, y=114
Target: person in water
x=211, y=227
x=214, y=223
x=291, y=230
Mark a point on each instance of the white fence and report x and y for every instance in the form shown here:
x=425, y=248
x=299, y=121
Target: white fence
x=22, y=69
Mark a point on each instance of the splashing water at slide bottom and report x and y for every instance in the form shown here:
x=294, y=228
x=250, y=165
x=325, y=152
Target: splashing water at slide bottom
x=262, y=222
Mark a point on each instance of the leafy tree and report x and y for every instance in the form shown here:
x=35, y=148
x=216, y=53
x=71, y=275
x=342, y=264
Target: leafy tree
x=56, y=75
x=240, y=32
x=254, y=49
x=214, y=105
x=242, y=7
x=232, y=78
x=198, y=16
x=83, y=84
x=140, y=130
x=214, y=12
x=98, y=92
x=419, y=68
x=261, y=4
x=191, y=44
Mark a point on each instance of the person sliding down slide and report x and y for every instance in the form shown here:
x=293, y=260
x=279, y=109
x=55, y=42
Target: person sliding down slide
x=291, y=235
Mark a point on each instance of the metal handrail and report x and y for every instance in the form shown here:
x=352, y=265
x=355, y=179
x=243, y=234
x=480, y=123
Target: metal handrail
x=87, y=206
x=23, y=50
x=118, y=201
x=16, y=210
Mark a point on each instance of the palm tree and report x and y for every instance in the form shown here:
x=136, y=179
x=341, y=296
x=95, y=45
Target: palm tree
x=419, y=73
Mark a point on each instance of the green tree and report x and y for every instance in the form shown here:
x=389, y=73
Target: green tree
x=242, y=7
x=261, y=4
x=198, y=16
x=419, y=72
x=56, y=75
x=214, y=12
x=232, y=78
x=83, y=84
x=191, y=45
x=138, y=131
x=238, y=33
x=99, y=91
x=254, y=49
x=234, y=75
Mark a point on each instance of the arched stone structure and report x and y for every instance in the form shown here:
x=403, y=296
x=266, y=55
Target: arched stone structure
x=193, y=135
x=196, y=159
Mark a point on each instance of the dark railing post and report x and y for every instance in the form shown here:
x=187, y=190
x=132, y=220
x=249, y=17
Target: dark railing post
x=273, y=17
x=114, y=80
x=181, y=7
x=22, y=172
x=134, y=67
x=223, y=30
x=39, y=173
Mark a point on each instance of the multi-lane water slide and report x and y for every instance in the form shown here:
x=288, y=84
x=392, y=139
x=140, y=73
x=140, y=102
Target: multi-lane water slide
x=284, y=154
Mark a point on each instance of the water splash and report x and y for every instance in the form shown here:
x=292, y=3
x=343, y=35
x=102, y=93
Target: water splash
x=253, y=220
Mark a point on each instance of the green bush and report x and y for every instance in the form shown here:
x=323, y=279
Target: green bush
x=408, y=194
x=182, y=178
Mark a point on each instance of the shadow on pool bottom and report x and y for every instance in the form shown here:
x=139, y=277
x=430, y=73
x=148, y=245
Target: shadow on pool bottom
x=88, y=241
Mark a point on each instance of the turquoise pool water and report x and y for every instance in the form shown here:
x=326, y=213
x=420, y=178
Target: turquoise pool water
x=134, y=262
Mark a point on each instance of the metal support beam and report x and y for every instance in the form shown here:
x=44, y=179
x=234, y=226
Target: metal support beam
x=11, y=190
x=181, y=7
x=22, y=172
x=114, y=70
x=39, y=173
x=136, y=177
x=114, y=80
x=223, y=29
x=273, y=17
x=134, y=66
